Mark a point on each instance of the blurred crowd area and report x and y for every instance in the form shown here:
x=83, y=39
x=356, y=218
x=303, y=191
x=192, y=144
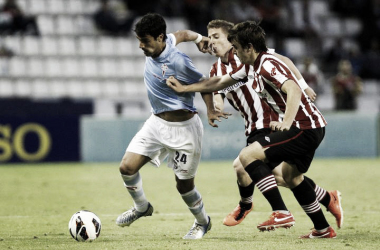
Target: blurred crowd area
x=86, y=48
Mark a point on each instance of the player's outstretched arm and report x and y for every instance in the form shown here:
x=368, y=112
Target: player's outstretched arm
x=213, y=114
x=292, y=105
x=209, y=85
x=308, y=90
x=202, y=42
x=311, y=93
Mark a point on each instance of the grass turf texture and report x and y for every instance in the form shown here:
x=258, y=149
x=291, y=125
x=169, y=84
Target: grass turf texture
x=37, y=201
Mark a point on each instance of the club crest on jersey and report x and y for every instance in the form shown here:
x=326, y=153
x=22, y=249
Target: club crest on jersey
x=273, y=72
x=164, y=68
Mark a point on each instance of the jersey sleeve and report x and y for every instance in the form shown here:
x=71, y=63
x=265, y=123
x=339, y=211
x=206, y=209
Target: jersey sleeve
x=274, y=73
x=186, y=71
x=271, y=51
x=171, y=39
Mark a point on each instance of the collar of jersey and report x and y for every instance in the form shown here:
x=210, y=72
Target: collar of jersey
x=163, y=54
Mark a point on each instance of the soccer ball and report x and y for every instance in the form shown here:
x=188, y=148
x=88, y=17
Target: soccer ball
x=85, y=226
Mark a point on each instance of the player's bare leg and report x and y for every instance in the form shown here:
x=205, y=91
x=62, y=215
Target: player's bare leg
x=129, y=167
x=253, y=158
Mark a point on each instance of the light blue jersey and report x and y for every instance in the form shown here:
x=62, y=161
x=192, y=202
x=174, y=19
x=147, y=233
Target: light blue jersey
x=171, y=62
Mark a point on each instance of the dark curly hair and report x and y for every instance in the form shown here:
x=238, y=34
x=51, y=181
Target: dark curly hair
x=248, y=32
x=151, y=24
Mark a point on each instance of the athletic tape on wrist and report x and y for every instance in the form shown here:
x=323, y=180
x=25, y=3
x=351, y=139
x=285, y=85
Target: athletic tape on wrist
x=199, y=38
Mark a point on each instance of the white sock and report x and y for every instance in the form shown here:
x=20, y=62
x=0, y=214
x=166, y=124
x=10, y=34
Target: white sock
x=194, y=201
x=133, y=183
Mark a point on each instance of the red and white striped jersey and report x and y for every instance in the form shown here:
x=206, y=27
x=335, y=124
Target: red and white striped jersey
x=256, y=113
x=266, y=77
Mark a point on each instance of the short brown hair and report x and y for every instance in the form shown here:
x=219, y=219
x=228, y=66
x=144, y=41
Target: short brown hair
x=248, y=32
x=220, y=24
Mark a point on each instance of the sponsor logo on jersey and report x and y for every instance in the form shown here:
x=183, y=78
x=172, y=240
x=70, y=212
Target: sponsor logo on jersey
x=232, y=87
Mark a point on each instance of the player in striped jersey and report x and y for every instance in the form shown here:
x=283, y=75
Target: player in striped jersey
x=298, y=135
x=257, y=116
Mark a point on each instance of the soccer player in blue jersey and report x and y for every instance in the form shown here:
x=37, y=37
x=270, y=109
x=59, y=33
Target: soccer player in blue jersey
x=174, y=130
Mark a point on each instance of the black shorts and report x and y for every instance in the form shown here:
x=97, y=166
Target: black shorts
x=255, y=136
x=294, y=146
x=258, y=133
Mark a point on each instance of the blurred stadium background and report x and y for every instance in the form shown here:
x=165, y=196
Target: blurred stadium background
x=76, y=94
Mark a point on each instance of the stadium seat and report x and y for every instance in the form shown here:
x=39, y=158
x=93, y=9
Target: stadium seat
x=4, y=66
x=332, y=26
x=46, y=24
x=84, y=25
x=35, y=67
x=17, y=67
x=23, y=88
x=111, y=89
x=13, y=43
x=127, y=68
x=56, y=6
x=67, y=45
x=65, y=25
x=24, y=4
x=106, y=46
x=6, y=88
x=58, y=88
x=37, y=7
x=126, y=46
x=295, y=47
x=75, y=89
x=40, y=88
x=70, y=67
x=31, y=45
x=352, y=26
x=87, y=45
x=53, y=67
x=75, y=6
x=176, y=23
x=107, y=68
x=89, y=67
x=49, y=46
x=93, y=89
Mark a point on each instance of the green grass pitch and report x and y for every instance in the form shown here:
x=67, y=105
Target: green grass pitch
x=37, y=201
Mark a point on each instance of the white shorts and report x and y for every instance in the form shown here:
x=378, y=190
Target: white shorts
x=181, y=142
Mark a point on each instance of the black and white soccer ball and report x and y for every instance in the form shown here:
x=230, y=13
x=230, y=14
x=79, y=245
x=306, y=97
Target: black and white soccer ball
x=85, y=226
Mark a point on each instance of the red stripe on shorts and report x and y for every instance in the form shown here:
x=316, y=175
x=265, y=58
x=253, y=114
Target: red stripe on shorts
x=282, y=142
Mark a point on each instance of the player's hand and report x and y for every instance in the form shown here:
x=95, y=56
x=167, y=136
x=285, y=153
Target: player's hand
x=203, y=45
x=311, y=93
x=215, y=115
x=279, y=126
x=175, y=84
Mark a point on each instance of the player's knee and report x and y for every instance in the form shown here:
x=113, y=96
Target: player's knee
x=126, y=169
x=292, y=180
x=251, y=153
x=280, y=181
x=184, y=186
x=237, y=164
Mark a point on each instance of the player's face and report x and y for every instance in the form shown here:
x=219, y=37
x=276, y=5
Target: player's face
x=218, y=42
x=150, y=46
x=241, y=53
